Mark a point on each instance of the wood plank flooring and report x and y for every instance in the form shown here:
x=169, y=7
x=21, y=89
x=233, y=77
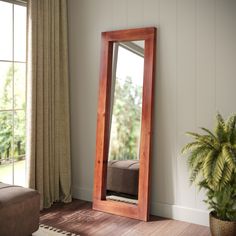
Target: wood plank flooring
x=78, y=217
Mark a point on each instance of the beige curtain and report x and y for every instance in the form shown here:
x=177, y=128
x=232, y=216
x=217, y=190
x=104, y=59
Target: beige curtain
x=48, y=137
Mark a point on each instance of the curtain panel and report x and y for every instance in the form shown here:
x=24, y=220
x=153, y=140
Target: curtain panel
x=48, y=136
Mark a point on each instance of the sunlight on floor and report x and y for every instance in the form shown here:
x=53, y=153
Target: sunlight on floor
x=19, y=173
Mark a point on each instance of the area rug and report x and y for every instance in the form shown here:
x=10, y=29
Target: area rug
x=45, y=230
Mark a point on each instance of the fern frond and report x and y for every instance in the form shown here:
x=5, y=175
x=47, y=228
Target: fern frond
x=207, y=165
x=206, y=139
x=229, y=156
x=220, y=128
x=193, y=134
x=233, y=137
x=198, y=155
x=199, y=136
x=192, y=158
x=218, y=169
x=226, y=175
x=209, y=132
x=220, y=119
x=195, y=172
x=190, y=146
x=203, y=184
x=230, y=127
x=203, y=139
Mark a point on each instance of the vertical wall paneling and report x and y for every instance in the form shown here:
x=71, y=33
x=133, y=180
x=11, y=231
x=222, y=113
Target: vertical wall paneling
x=151, y=16
x=135, y=12
x=225, y=55
x=205, y=62
x=165, y=106
x=83, y=95
x=119, y=12
x=186, y=92
x=196, y=68
x=205, y=68
x=104, y=21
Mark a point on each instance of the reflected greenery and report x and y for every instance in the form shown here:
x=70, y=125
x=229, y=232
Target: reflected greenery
x=126, y=120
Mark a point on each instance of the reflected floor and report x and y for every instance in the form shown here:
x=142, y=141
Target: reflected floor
x=122, y=199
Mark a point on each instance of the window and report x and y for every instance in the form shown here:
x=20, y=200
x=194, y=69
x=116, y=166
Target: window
x=12, y=91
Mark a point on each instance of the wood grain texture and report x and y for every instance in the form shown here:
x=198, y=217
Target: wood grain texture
x=78, y=217
x=141, y=210
x=103, y=119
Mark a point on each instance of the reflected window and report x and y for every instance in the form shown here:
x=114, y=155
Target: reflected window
x=12, y=92
x=126, y=106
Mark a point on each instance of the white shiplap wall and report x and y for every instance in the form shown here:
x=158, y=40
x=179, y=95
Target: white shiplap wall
x=196, y=76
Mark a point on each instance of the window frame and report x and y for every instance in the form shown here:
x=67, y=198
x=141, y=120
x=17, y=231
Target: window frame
x=16, y=2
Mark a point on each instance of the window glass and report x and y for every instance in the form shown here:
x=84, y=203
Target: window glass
x=6, y=29
x=19, y=85
x=6, y=78
x=19, y=33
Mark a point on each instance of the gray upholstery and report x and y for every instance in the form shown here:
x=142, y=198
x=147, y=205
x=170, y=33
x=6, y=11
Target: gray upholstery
x=19, y=210
x=122, y=176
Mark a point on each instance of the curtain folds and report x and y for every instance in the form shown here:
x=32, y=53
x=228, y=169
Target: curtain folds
x=48, y=137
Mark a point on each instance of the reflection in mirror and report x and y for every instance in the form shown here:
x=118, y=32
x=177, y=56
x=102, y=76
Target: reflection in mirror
x=125, y=125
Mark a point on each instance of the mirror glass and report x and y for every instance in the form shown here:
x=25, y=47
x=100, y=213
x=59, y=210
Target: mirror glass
x=125, y=122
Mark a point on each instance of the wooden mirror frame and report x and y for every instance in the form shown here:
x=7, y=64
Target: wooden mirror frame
x=141, y=210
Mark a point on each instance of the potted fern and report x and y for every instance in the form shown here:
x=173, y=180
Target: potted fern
x=212, y=165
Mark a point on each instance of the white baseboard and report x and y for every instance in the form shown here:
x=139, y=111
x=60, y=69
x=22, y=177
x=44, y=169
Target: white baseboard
x=176, y=212
x=191, y=215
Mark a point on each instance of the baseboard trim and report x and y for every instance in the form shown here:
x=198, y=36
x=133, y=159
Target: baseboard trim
x=191, y=215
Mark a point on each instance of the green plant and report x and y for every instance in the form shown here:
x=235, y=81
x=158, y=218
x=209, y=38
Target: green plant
x=223, y=202
x=212, y=163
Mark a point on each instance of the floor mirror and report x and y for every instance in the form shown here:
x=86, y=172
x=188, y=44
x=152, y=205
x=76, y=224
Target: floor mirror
x=124, y=123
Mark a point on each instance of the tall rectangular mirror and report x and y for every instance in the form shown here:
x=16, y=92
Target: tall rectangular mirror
x=122, y=168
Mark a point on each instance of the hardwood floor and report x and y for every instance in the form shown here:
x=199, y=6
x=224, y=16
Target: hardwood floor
x=78, y=217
